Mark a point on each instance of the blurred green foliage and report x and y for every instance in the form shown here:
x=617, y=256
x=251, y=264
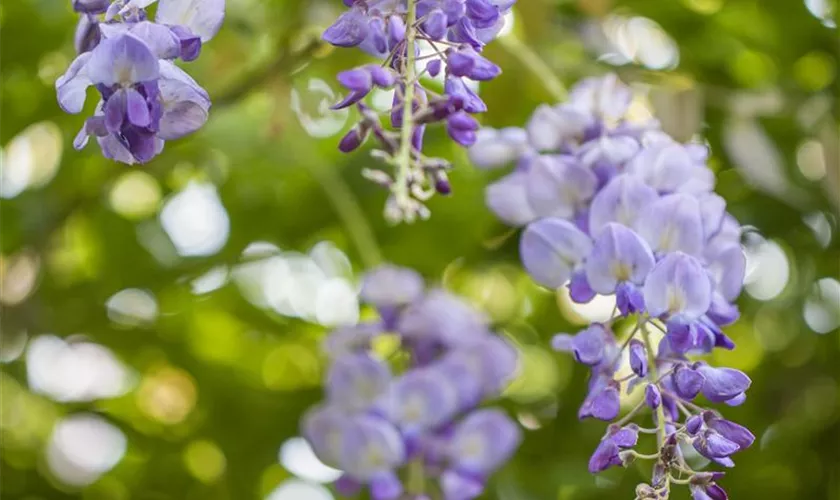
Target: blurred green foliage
x=221, y=383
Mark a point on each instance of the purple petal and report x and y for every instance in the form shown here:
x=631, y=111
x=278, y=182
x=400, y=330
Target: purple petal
x=606, y=404
x=115, y=110
x=673, y=223
x=679, y=286
x=71, y=87
x=589, y=344
x=371, y=447
x=618, y=255
x=385, y=486
x=422, y=399
x=604, y=457
x=483, y=441
x=349, y=30
x=186, y=105
x=653, y=396
x=356, y=381
x=551, y=248
x=579, y=290
x=507, y=198
x=558, y=186
x=435, y=24
x=389, y=286
x=550, y=128
x=712, y=445
x=125, y=60
x=137, y=110
x=620, y=201
x=728, y=268
x=722, y=384
x=460, y=486
x=687, y=381
x=638, y=358
x=497, y=148
x=732, y=431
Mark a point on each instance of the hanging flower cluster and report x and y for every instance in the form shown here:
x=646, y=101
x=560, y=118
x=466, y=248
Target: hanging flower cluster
x=411, y=424
x=617, y=208
x=145, y=99
x=455, y=31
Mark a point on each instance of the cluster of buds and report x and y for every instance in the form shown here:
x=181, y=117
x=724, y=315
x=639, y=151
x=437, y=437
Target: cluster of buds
x=455, y=31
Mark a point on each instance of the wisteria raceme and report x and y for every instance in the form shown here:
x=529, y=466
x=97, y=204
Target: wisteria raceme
x=455, y=32
x=613, y=207
x=412, y=425
x=145, y=98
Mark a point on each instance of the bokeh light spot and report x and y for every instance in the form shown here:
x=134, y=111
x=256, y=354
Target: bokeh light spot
x=135, y=195
x=298, y=458
x=204, y=460
x=83, y=447
x=295, y=489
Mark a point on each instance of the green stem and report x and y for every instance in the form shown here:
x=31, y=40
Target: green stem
x=661, y=433
x=403, y=160
x=349, y=211
x=535, y=65
x=416, y=484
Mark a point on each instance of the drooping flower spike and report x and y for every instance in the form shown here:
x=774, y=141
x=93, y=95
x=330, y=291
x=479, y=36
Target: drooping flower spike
x=377, y=421
x=618, y=208
x=453, y=32
x=145, y=98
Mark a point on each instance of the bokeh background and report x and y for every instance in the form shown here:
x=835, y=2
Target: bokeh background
x=160, y=324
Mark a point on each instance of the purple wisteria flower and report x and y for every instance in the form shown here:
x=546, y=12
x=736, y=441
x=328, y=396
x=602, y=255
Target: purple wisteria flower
x=617, y=208
x=145, y=98
x=452, y=34
x=378, y=421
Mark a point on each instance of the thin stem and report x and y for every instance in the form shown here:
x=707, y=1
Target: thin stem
x=403, y=160
x=661, y=434
x=416, y=483
x=535, y=65
x=349, y=211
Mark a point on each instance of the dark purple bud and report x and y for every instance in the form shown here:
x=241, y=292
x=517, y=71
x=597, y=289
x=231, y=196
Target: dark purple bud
x=190, y=42
x=461, y=128
x=433, y=67
x=349, y=30
x=377, y=36
x=579, y=289
x=604, y=457
x=731, y=431
x=638, y=358
x=396, y=31
x=606, y=404
x=629, y=298
x=482, y=13
x=472, y=103
x=356, y=79
x=469, y=63
x=707, y=492
x=382, y=77
x=87, y=34
x=687, y=381
x=626, y=437
x=455, y=10
x=682, y=337
x=352, y=140
x=347, y=486
x=694, y=424
x=349, y=100
x=91, y=6
x=442, y=185
x=722, y=384
x=710, y=444
x=653, y=397
x=588, y=345
x=417, y=137
x=435, y=24
x=463, y=31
